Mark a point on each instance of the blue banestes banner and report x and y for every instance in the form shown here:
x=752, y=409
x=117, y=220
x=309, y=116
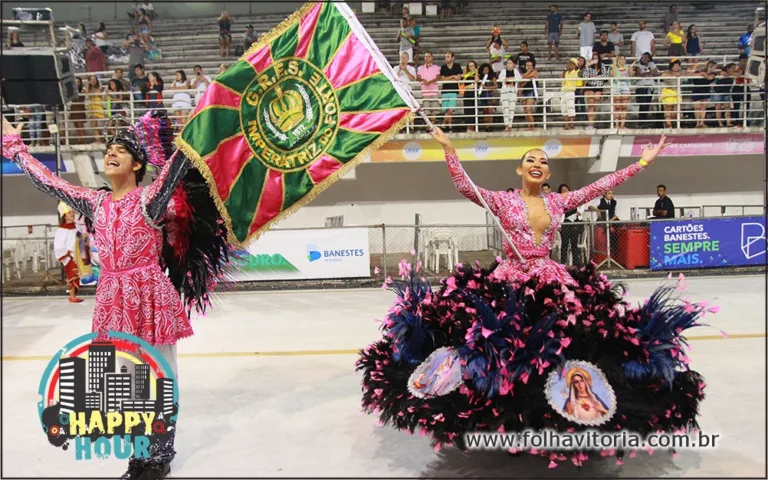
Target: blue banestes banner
x=9, y=167
x=708, y=243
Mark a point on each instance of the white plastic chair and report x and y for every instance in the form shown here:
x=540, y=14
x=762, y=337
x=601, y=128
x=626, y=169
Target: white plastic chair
x=441, y=244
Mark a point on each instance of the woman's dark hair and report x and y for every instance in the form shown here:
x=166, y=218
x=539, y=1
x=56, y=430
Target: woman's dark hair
x=690, y=27
x=650, y=57
x=560, y=188
x=102, y=27
x=491, y=73
x=673, y=62
x=160, y=82
x=82, y=28
x=118, y=85
x=183, y=75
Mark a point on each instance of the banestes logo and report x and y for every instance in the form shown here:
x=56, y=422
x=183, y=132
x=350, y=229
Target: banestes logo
x=314, y=253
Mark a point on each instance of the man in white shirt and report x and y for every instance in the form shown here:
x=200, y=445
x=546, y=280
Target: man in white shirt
x=642, y=42
x=405, y=73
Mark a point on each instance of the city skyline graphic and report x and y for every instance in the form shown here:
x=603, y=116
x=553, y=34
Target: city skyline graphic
x=121, y=388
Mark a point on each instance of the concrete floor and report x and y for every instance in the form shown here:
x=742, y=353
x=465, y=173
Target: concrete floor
x=298, y=414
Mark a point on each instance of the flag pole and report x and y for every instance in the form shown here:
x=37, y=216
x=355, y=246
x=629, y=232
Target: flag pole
x=407, y=95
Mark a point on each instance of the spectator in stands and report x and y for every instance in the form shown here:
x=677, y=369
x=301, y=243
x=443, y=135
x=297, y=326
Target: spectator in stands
x=692, y=42
x=95, y=61
x=522, y=58
x=529, y=91
x=149, y=10
x=675, y=40
x=450, y=91
x=553, y=29
x=94, y=103
x=702, y=89
x=642, y=42
x=587, y=32
x=100, y=37
x=119, y=77
x=594, y=81
x=250, y=37
x=405, y=38
x=670, y=18
x=416, y=34
x=745, y=41
x=13, y=39
x=199, y=83
x=509, y=79
x=136, y=52
x=225, y=33
x=606, y=208
x=77, y=111
x=470, y=94
x=604, y=49
x=145, y=26
x=405, y=73
x=182, y=102
x=116, y=101
x=131, y=33
x=616, y=37
x=545, y=189
x=664, y=207
x=155, y=93
x=568, y=93
x=619, y=73
x=486, y=87
x=445, y=8
x=428, y=75
x=723, y=89
x=497, y=48
x=581, y=68
x=223, y=68
x=570, y=231
x=140, y=84
x=741, y=93
x=644, y=91
x=670, y=93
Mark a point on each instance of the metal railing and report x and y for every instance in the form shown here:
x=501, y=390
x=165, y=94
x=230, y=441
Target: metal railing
x=622, y=245
x=644, y=102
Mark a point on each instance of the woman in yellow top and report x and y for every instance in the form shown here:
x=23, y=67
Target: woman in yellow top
x=670, y=93
x=676, y=40
x=94, y=104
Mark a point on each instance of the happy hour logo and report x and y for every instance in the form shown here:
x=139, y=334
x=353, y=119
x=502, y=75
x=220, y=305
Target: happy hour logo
x=117, y=397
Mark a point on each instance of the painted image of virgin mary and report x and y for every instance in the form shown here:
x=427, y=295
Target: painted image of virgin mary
x=437, y=377
x=582, y=402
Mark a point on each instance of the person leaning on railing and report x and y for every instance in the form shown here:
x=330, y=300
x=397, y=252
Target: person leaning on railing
x=621, y=90
x=701, y=89
x=568, y=93
x=646, y=69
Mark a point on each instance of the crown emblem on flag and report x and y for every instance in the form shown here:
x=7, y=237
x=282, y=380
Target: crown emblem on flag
x=287, y=109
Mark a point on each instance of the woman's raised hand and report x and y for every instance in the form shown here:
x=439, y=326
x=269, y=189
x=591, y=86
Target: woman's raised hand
x=652, y=151
x=9, y=129
x=441, y=138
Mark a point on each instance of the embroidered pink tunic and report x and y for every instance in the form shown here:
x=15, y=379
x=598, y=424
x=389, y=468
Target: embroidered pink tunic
x=512, y=211
x=133, y=295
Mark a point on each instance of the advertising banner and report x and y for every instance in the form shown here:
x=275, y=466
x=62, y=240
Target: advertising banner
x=9, y=167
x=490, y=149
x=306, y=254
x=708, y=243
x=697, y=145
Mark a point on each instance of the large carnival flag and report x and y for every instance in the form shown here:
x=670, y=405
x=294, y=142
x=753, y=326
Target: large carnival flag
x=299, y=109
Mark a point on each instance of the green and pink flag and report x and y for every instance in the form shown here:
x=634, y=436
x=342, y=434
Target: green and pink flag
x=299, y=109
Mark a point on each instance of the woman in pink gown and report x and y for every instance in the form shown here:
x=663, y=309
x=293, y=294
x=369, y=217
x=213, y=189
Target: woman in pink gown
x=141, y=232
x=515, y=327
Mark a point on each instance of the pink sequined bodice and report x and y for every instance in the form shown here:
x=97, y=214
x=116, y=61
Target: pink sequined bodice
x=512, y=211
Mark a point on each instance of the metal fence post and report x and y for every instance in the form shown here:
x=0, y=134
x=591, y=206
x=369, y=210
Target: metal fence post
x=384, y=248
